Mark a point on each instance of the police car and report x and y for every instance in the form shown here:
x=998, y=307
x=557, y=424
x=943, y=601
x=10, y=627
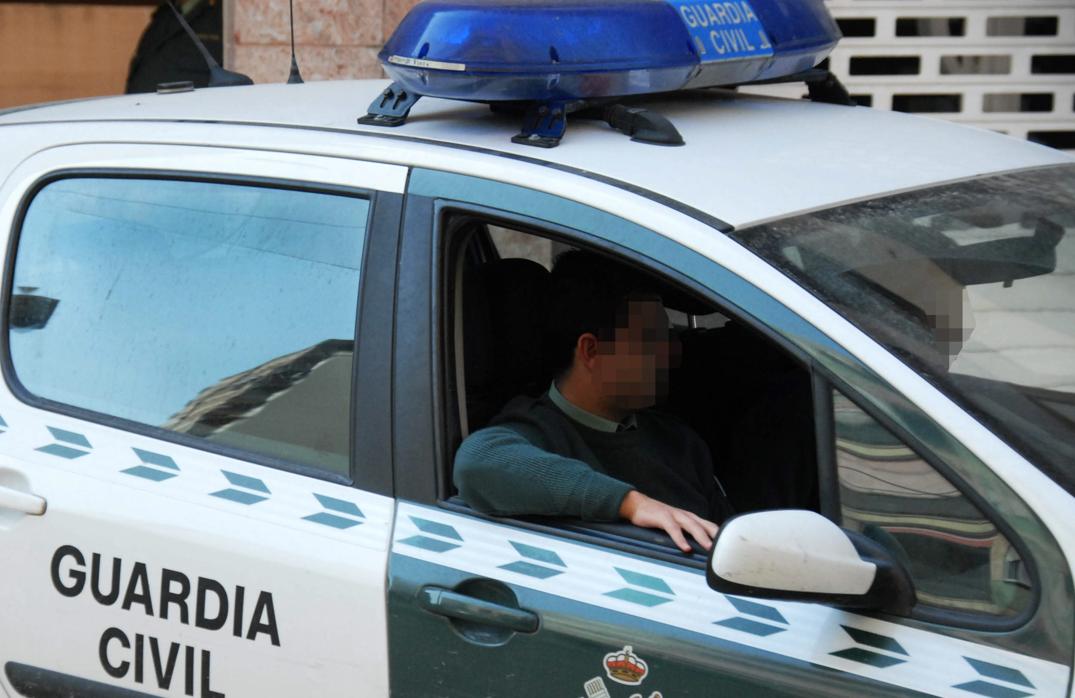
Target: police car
x=245, y=334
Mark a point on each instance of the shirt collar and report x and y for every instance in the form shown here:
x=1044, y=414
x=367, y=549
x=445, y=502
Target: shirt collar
x=588, y=419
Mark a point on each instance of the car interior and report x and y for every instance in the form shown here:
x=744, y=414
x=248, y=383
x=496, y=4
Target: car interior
x=749, y=399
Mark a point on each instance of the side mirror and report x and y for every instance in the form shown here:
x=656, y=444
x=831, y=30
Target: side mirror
x=802, y=556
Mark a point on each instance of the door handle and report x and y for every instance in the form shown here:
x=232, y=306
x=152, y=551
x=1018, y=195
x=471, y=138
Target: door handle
x=25, y=502
x=446, y=602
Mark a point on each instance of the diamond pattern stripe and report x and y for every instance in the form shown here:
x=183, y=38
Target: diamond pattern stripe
x=857, y=654
x=1003, y=673
x=646, y=581
x=753, y=627
x=881, y=642
x=435, y=528
x=149, y=473
x=437, y=546
x=539, y=554
x=984, y=688
x=70, y=437
x=339, y=505
x=530, y=569
x=807, y=633
x=639, y=597
x=157, y=459
x=239, y=496
x=752, y=608
x=62, y=451
x=250, y=483
x=326, y=519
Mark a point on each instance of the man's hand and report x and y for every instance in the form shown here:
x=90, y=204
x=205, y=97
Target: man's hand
x=649, y=513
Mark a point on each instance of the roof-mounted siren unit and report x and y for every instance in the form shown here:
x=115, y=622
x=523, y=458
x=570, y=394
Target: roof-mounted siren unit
x=555, y=57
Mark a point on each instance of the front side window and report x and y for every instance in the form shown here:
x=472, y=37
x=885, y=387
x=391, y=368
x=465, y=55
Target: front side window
x=220, y=311
x=972, y=284
x=957, y=558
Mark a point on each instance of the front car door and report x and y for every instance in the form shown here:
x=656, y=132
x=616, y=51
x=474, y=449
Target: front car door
x=178, y=513
x=480, y=606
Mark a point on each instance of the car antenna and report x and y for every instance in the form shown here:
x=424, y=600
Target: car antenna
x=218, y=77
x=294, y=77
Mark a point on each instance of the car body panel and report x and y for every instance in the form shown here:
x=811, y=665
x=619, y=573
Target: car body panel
x=645, y=590
x=815, y=155
x=229, y=521
x=327, y=565
x=243, y=525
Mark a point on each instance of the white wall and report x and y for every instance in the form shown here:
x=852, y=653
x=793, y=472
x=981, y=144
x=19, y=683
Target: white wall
x=947, y=64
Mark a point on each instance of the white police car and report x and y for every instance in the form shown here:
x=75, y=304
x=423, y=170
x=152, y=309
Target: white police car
x=244, y=335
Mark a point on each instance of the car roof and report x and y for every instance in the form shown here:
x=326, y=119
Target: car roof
x=747, y=158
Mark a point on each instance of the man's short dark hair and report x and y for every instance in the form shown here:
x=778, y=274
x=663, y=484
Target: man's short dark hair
x=588, y=293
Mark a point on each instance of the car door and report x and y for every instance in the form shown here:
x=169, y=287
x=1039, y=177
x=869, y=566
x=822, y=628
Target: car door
x=186, y=504
x=486, y=606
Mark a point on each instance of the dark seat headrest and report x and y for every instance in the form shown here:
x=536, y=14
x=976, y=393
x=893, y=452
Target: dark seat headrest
x=504, y=311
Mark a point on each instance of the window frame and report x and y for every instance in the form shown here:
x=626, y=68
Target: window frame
x=443, y=366
x=383, y=214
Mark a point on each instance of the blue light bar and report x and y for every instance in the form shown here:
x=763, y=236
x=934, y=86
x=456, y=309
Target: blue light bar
x=560, y=50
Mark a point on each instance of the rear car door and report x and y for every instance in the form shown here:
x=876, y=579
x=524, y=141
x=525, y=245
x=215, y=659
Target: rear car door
x=568, y=610
x=186, y=355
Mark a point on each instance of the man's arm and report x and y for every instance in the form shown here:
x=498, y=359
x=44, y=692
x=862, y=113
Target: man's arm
x=499, y=471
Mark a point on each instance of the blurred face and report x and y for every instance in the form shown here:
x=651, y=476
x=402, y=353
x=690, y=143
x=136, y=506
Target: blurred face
x=631, y=370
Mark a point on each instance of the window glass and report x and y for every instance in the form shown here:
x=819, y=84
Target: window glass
x=516, y=244
x=957, y=558
x=972, y=284
x=221, y=311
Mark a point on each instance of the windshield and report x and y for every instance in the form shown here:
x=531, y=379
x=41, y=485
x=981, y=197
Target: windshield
x=972, y=284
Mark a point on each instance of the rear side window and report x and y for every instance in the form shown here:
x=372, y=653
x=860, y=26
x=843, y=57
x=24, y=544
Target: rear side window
x=220, y=311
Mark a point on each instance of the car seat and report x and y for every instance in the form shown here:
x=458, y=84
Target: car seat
x=505, y=304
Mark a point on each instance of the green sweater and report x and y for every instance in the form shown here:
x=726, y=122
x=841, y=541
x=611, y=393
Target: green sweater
x=533, y=459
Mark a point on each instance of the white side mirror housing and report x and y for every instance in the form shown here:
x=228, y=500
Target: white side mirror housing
x=789, y=551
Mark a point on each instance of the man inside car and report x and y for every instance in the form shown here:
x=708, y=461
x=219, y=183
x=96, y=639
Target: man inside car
x=592, y=447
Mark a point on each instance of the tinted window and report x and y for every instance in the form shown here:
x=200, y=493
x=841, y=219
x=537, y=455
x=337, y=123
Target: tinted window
x=221, y=311
x=957, y=558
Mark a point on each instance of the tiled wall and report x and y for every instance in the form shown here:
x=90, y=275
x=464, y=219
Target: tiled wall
x=999, y=64
x=1008, y=65
x=334, y=39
